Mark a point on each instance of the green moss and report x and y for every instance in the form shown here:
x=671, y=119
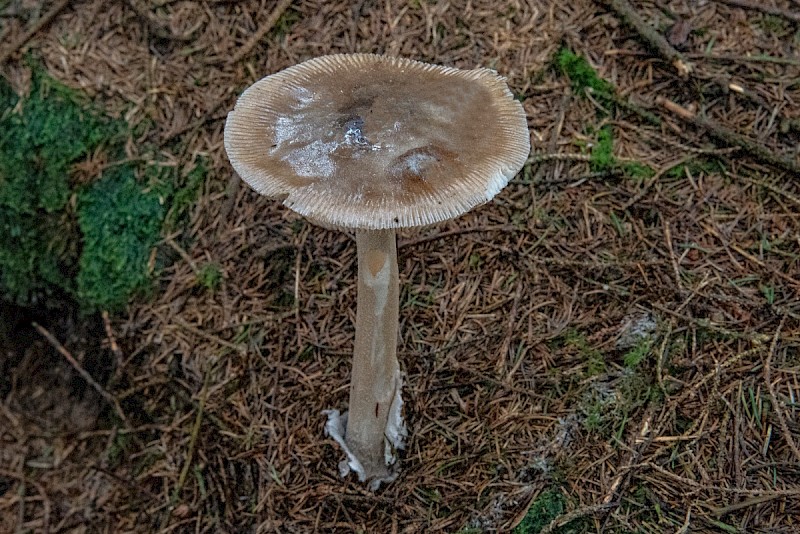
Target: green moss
x=637, y=171
x=618, y=223
x=121, y=224
x=637, y=353
x=475, y=261
x=581, y=73
x=774, y=24
x=209, y=276
x=91, y=243
x=603, y=151
x=607, y=407
x=595, y=364
x=549, y=505
x=601, y=409
x=603, y=159
x=695, y=167
x=769, y=293
x=284, y=24
x=41, y=138
x=594, y=416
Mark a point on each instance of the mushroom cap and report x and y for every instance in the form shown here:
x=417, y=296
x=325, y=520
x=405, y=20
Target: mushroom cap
x=366, y=141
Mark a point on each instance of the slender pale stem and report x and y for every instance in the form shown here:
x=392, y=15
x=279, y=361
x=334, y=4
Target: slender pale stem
x=376, y=374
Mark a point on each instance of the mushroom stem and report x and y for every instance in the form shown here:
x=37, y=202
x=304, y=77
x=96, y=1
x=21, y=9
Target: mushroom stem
x=374, y=423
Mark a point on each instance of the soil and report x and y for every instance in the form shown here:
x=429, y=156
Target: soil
x=36, y=383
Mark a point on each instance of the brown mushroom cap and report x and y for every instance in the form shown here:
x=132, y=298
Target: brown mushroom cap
x=375, y=142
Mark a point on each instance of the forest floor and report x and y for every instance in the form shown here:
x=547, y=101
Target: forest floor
x=610, y=345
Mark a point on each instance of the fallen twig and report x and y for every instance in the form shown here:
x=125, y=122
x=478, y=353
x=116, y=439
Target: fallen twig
x=112, y=343
x=231, y=195
x=458, y=231
x=158, y=28
x=727, y=86
x=787, y=434
x=45, y=500
x=657, y=176
x=183, y=254
x=749, y=257
x=651, y=35
x=668, y=52
x=563, y=520
x=663, y=139
x=282, y=6
x=541, y=158
x=196, y=331
x=193, y=438
x=771, y=187
x=209, y=117
x=760, y=6
x=81, y=371
x=726, y=135
x=33, y=30
x=112, y=340
x=752, y=501
x=759, y=58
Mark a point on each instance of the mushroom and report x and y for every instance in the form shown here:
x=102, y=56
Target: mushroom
x=373, y=143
